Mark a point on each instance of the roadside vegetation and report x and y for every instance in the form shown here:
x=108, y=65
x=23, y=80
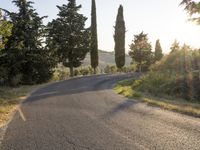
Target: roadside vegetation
x=126, y=89
x=172, y=83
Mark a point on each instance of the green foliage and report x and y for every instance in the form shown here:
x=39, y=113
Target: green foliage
x=155, y=83
x=158, y=51
x=119, y=38
x=128, y=69
x=60, y=74
x=140, y=52
x=68, y=36
x=176, y=75
x=180, y=60
x=16, y=80
x=110, y=69
x=76, y=72
x=94, y=39
x=175, y=47
x=5, y=31
x=83, y=71
x=193, y=9
x=24, y=54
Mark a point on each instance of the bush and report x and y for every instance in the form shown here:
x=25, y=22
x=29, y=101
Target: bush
x=196, y=85
x=60, y=74
x=77, y=72
x=128, y=69
x=154, y=83
x=84, y=71
x=110, y=69
x=16, y=80
x=176, y=75
x=3, y=75
x=186, y=86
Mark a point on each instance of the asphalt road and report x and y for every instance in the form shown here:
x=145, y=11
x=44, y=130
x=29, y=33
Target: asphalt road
x=85, y=114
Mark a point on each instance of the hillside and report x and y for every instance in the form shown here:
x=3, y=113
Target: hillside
x=106, y=58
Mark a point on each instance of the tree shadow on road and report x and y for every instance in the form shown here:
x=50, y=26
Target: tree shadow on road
x=74, y=86
x=119, y=108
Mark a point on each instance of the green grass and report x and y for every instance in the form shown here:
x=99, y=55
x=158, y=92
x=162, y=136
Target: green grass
x=177, y=105
x=10, y=98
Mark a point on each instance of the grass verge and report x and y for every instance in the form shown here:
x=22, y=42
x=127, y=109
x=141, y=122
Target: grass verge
x=182, y=106
x=10, y=99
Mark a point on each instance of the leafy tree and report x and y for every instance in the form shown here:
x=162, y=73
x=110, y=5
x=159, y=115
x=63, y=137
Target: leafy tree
x=193, y=9
x=175, y=47
x=196, y=59
x=68, y=35
x=5, y=31
x=140, y=51
x=94, y=40
x=25, y=57
x=119, y=38
x=158, y=51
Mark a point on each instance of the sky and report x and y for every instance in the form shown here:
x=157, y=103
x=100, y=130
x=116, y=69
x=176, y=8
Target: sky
x=160, y=19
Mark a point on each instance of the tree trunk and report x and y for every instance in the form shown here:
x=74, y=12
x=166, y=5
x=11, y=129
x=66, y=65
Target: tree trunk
x=71, y=71
x=95, y=71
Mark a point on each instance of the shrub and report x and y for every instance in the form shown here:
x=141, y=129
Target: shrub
x=177, y=75
x=186, y=86
x=77, y=72
x=110, y=69
x=60, y=74
x=84, y=71
x=16, y=80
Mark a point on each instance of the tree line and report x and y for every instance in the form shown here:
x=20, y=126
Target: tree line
x=29, y=50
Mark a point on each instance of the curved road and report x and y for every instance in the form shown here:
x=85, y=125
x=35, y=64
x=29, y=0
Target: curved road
x=84, y=114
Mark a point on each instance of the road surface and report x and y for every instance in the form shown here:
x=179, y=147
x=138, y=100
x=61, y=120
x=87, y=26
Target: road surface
x=85, y=114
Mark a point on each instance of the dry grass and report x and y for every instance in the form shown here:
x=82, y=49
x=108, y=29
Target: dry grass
x=10, y=99
x=181, y=106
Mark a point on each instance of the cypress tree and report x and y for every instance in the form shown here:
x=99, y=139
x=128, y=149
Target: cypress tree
x=94, y=39
x=158, y=51
x=68, y=36
x=119, y=38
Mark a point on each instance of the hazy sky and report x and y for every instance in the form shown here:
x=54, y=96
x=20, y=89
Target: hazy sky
x=163, y=19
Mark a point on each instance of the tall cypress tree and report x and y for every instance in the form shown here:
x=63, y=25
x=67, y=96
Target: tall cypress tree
x=119, y=38
x=68, y=35
x=158, y=51
x=94, y=39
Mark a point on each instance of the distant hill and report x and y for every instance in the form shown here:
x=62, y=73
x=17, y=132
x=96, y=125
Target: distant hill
x=106, y=58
